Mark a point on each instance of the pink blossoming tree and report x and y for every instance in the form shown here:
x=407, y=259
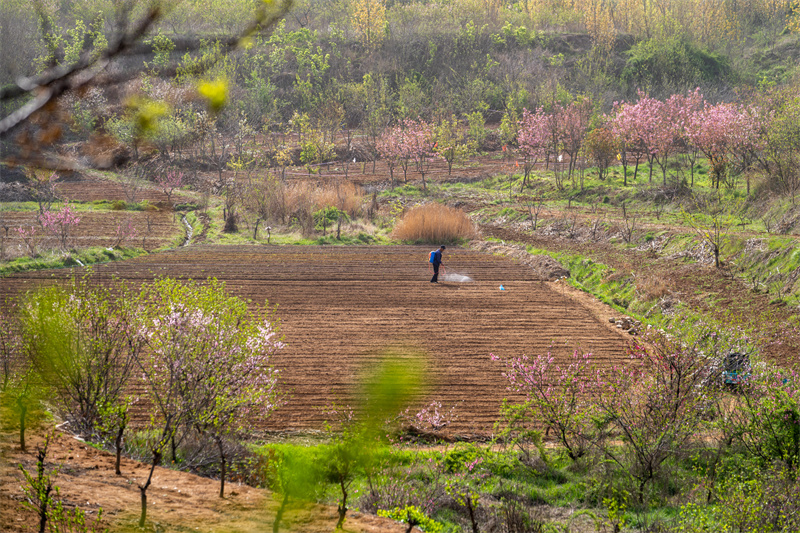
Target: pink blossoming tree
x=207, y=364
x=532, y=140
x=557, y=395
x=418, y=143
x=60, y=224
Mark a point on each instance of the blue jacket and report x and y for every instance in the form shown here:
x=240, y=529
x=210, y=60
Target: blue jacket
x=437, y=257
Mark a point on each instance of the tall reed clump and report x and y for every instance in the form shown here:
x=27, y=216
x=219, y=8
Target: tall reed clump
x=434, y=223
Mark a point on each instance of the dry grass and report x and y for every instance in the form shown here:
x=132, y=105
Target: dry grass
x=434, y=223
x=309, y=196
x=653, y=289
x=295, y=203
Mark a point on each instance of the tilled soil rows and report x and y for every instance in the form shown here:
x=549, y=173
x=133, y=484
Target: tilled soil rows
x=341, y=308
x=152, y=229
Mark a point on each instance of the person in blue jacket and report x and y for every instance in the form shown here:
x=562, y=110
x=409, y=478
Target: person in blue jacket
x=437, y=262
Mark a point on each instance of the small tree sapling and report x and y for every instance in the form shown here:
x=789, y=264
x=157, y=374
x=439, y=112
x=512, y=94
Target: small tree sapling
x=38, y=490
x=295, y=476
x=169, y=182
x=211, y=356
x=558, y=396
x=659, y=401
x=80, y=340
x=60, y=224
x=386, y=390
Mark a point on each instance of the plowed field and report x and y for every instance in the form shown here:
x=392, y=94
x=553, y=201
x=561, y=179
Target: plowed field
x=341, y=307
x=153, y=229
x=91, y=188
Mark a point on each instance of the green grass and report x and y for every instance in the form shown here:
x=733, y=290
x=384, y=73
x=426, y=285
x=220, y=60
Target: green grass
x=407, y=190
x=618, y=291
x=498, y=474
x=88, y=256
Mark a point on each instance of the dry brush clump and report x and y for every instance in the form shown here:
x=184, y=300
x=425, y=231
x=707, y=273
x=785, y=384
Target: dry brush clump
x=434, y=223
x=275, y=201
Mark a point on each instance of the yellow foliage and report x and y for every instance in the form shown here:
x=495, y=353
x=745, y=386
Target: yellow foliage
x=793, y=18
x=146, y=113
x=215, y=93
x=369, y=20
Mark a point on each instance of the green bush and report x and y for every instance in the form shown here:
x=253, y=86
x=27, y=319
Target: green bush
x=673, y=64
x=413, y=517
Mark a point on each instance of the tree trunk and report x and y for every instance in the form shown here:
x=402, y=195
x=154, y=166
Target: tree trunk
x=471, y=514
x=143, y=488
x=143, y=516
x=230, y=222
x=23, y=411
x=642, y=483
x=342, y=508
x=118, y=446
x=221, y=467
x=279, y=515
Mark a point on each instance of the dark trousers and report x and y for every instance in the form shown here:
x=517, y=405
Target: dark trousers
x=435, y=278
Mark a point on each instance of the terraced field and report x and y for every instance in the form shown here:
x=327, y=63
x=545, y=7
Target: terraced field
x=341, y=308
x=153, y=229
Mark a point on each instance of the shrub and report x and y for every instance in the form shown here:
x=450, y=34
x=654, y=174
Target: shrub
x=434, y=223
x=80, y=340
x=413, y=517
x=302, y=199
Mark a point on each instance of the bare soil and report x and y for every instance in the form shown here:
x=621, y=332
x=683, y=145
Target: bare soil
x=153, y=229
x=342, y=308
x=177, y=501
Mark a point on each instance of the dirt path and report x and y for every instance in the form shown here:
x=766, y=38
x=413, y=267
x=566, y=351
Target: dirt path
x=701, y=287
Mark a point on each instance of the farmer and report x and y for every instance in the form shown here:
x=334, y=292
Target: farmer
x=437, y=261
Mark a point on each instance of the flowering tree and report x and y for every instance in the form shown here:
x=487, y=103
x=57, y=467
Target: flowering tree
x=659, y=400
x=431, y=418
x=672, y=118
x=418, y=142
x=532, y=139
x=31, y=239
x=574, y=125
x=207, y=363
x=126, y=231
x=557, y=396
x=80, y=341
x=624, y=128
x=391, y=151
x=169, y=182
x=637, y=126
x=60, y=224
x=726, y=134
